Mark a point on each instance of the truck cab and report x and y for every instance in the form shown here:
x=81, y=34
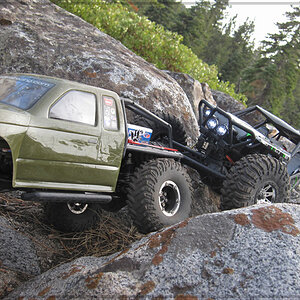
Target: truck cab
x=60, y=135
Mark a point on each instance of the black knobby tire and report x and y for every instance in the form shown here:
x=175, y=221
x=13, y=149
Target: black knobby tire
x=255, y=178
x=63, y=219
x=153, y=191
x=159, y=132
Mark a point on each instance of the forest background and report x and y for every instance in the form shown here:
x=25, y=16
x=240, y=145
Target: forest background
x=203, y=43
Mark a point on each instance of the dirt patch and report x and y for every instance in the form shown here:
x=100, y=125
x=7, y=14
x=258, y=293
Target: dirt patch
x=241, y=219
x=74, y=270
x=44, y=291
x=146, y=288
x=272, y=218
x=228, y=271
x=92, y=282
x=186, y=297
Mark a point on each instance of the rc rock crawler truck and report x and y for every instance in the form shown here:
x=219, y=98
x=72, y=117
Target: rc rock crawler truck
x=69, y=146
x=245, y=155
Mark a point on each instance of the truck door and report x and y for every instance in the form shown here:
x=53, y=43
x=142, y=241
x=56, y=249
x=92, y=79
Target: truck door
x=112, y=138
x=61, y=149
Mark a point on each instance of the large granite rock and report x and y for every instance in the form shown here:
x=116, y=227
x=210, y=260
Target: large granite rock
x=37, y=36
x=194, y=90
x=197, y=91
x=227, y=102
x=248, y=253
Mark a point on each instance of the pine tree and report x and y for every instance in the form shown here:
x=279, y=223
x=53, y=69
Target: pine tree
x=274, y=77
x=240, y=54
x=203, y=30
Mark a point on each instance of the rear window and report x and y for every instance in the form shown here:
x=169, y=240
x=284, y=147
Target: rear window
x=22, y=91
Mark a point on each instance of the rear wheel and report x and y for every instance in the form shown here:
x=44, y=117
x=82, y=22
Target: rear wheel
x=159, y=194
x=256, y=178
x=70, y=217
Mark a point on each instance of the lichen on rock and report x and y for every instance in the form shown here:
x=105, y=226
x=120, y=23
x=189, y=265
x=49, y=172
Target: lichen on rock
x=219, y=256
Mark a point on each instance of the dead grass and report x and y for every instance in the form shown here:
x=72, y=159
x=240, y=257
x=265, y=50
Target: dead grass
x=114, y=233
x=107, y=237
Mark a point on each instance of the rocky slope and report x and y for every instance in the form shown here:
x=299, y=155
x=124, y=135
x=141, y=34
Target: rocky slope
x=30, y=246
x=240, y=254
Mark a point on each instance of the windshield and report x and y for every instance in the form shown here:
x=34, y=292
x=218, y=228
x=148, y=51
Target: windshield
x=22, y=91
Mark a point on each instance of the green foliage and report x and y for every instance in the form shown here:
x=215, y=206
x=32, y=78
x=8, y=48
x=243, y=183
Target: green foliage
x=272, y=80
x=227, y=47
x=237, y=54
x=163, y=48
x=291, y=110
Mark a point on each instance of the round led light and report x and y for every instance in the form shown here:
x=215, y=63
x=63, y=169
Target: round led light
x=212, y=123
x=207, y=112
x=221, y=130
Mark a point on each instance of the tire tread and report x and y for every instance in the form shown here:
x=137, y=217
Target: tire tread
x=244, y=176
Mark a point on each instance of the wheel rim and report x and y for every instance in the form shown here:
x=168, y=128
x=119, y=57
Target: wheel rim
x=77, y=207
x=267, y=194
x=169, y=198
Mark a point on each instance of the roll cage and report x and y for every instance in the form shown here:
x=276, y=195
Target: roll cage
x=283, y=128
x=240, y=134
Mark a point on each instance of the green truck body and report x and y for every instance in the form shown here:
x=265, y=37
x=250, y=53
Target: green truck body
x=49, y=152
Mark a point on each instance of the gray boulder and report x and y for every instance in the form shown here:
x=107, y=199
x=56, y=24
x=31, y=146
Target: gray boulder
x=227, y=102
x=248, y=253
x=18, y=257
x=197, y=91
x=194, y=90
x=37, y=36
x=17, y=252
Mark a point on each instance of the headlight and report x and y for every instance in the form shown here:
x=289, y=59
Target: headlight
x=212, y=123
x=221, y=130
x=207, y=112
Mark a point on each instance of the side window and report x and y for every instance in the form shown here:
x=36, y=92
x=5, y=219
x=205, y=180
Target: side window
x=75, y=106
x=110, y=113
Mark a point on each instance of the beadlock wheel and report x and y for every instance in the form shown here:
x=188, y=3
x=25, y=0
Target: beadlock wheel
x=159, y=194
x=169, y=198
x=73, y=216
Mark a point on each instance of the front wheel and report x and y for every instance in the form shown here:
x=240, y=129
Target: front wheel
x=256, y=178
x=159, y=194
x=71, y=217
